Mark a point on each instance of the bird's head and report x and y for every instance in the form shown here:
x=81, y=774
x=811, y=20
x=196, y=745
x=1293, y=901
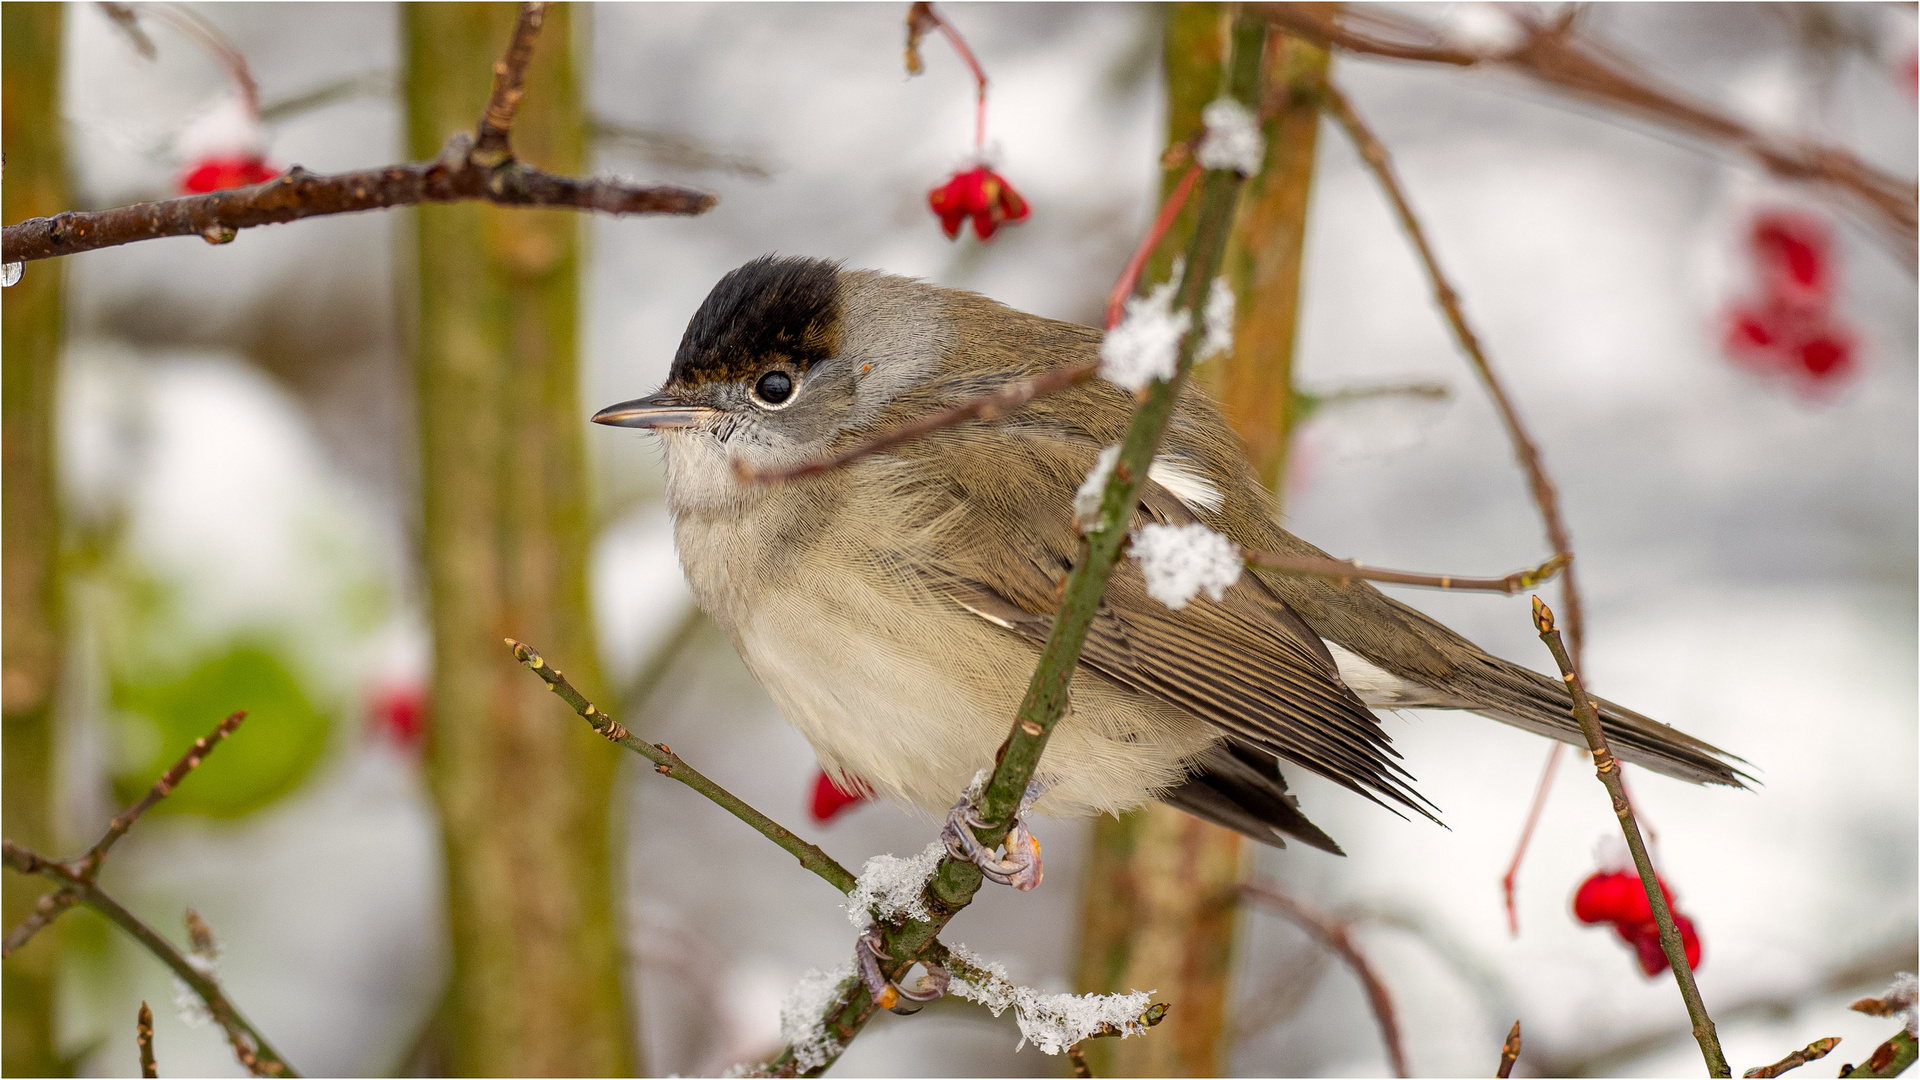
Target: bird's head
x=783, y=356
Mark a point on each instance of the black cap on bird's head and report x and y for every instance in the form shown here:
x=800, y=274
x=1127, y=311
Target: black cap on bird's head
x=770, y=320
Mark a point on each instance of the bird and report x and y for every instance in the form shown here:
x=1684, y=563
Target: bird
x=894, y=607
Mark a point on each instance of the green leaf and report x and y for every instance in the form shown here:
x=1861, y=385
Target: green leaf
x=284, y=735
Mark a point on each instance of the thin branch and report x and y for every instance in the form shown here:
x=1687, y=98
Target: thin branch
x=1553, y=55
x=1544, y=495
x=1509, y=1052
x=480, y=167
x=509, y=73
x=1608, y=771
x=1813, y=1051
x=143, y=1037
x=1343, y=571
x=1509, y=881
x=452, y=177
x=667, y=763
x=76, y=878
x=985, y=407
x=1332, y=935
x=1130, y=274
x=88, y=866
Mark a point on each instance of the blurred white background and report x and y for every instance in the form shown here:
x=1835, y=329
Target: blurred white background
x=1747, y=548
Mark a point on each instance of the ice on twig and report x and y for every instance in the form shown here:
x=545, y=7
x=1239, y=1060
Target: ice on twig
x=1145, y=347
x=1179, y=561
x=1233, y=139
x=803, y=1016
x=1218, y=320
x=1086, y=501
x=891, y=888
x=1051, y=1022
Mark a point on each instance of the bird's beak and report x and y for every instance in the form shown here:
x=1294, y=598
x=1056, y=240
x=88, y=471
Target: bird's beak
x=653, y=412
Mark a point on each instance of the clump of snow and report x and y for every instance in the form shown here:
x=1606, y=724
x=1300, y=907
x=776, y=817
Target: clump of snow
x=891, y=888
x=1233, y=139
x=1086, y=501
x=229, y=127
x=186, y=1001
x=1481, y=29
x=803, y=1016
x=1179, y=561
x=1145, y=347
x=1051, y=1022
x=1902, y=1001
x=1218, y=320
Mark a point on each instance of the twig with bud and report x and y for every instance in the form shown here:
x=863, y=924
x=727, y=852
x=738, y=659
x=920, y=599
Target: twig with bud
x=1607, y=768
x=1813, y=1051
x=143, y=1037
x=1332, y=935
x=479, y=167
x=77, y=880
x=1509, y=1053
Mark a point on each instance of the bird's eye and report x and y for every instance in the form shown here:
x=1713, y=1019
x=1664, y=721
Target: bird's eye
x=774, y=388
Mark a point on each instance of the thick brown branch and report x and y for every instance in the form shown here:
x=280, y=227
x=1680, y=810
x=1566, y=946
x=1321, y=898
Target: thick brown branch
x=1344, y=571
x=452, y=177
x=1552, y=55
x=509, y=73
x=1332, y=935
x=984, y=407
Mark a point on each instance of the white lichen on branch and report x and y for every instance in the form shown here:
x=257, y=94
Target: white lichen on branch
x=1051, y=1022
x=1233, y=139
x=803, y=1017
x=892, y=889
x=1179, y=561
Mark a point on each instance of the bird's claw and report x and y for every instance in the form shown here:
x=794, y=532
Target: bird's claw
x=887, y=994
x=1019, y=866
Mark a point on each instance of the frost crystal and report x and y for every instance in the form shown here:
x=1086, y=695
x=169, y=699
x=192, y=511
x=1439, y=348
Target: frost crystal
x=1219, y=320
x=1086, y=501
x=1180, y=560
x=1051, y=1022
x=1145, y=347
x=1233, y=139
x=890, y=887
x=803, y=1016
x=186, y=1001
x=1901, y=1001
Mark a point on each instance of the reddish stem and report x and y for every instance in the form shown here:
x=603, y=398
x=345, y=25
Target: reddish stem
x=979, y=77
x=1526, y=834
x=1177, y=198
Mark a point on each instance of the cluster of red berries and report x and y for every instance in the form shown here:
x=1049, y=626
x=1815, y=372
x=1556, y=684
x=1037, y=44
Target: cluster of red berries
x=1789, y=329
x=1616, y=896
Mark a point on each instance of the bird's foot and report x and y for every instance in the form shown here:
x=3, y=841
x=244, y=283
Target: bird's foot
x=869, y=951
x=1019, y=866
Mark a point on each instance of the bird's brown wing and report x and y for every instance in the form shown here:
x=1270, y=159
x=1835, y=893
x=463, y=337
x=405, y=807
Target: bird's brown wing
x=1243, y=663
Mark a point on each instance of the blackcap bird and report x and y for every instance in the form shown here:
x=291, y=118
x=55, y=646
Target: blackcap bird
x=895, y=607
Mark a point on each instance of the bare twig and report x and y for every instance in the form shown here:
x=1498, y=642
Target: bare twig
x=1813, y=1051
x=143, y=1036
x=45, y=910
x=1130, y=273
x=76, y=878
x=1890, y=1058
x=1332, y=935
x=922, y=19
x=480, y=167
x=1509, y=1052
x=1509, y=881
x=1554, y=55
x=1608, y=771
x=667, y=763
x=1343, y=571
x=509, y=73
x=985, y=407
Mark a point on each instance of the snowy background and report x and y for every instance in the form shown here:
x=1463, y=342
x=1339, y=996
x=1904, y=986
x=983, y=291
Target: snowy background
x=239, y=417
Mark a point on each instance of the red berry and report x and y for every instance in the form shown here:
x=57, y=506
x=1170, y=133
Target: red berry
x=221, y=173
x=400, y=713
x=830, y=799
x=978, y=193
